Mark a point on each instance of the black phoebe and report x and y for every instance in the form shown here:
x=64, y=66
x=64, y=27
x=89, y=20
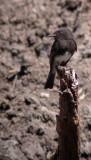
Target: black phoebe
x=62, y=50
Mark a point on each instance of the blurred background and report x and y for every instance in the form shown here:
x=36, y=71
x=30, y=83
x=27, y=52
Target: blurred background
x=27, y=111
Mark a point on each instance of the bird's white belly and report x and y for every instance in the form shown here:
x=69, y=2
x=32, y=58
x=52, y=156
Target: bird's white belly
x=60, y=59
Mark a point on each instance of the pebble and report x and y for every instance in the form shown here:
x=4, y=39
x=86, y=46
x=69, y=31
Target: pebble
x=44, y=95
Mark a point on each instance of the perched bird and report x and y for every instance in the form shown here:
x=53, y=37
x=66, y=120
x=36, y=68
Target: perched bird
x=62, y=50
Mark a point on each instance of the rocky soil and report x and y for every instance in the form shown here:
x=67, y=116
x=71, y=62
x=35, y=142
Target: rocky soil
x=27, y=111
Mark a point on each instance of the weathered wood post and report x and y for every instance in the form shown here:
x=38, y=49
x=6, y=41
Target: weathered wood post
x=68, y=118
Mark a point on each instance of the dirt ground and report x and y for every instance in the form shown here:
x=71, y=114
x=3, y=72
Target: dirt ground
x=27, y=111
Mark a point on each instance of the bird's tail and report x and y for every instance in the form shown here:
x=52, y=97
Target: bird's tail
x=50, y=81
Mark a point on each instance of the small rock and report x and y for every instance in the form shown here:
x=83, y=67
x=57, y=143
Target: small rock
x=42, y=50
x=44, y=95
x=31, y=99
x=86, y=148
x=46, y=117
x=16, y=49
x=10, y=97
x=49, y=155
x=44, y=102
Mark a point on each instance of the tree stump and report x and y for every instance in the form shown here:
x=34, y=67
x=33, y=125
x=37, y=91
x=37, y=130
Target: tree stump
x=68, y=119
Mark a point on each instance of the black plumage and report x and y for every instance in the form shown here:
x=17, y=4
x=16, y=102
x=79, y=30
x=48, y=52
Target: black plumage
x=62, y=50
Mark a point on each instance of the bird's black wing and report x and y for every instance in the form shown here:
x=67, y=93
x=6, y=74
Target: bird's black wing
x=58, y=48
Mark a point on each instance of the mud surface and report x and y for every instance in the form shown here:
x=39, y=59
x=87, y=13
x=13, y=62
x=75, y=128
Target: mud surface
x=27, y=111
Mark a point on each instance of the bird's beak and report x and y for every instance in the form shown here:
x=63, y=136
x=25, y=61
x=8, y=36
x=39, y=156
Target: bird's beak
x=52, y=35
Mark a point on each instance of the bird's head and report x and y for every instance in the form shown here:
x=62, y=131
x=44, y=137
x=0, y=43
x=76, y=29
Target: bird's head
x=63, y=34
